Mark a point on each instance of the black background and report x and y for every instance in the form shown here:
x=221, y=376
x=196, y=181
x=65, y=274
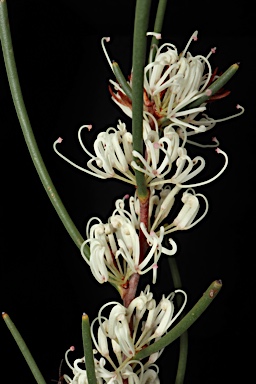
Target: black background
x=45, y=284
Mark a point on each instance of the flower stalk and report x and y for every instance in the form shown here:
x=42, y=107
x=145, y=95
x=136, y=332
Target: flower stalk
x=141, y=20
x=138, y=61
x=158, y=24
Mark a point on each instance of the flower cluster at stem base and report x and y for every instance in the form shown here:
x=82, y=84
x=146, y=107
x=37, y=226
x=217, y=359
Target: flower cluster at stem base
x=122, y=334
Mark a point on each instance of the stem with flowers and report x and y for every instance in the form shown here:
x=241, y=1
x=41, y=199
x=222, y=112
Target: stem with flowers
x=166, y=99
x=138, y=61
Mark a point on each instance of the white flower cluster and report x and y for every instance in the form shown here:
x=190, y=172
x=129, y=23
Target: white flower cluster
x=165, y=161
x=117, y=345
x=172, y=82
x=115, y=246
x=113, y=154
x=131, y=242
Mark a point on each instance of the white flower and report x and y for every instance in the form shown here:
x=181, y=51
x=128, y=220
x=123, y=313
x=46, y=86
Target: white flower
x=164, y=155
x=133, y=370
x=123, y=333
x=113, y=154
x=187, y=215
x=115, y=246
x=187, y=168
x=160, y=152
x=80, y=375
x=155, y=240
x=172, y=81
x=142, y=375
x=149, y=322
x=165, y=159
x=115, y=251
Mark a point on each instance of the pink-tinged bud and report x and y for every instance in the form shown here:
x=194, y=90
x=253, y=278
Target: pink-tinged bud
x=195, y=38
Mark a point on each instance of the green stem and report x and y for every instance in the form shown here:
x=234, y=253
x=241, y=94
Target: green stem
x=88, y=351
x=175, y=275
x=184, y=323
x=183, y=356
x=183, y=353
x=158, y=23
x=18, y=101
x=138, y=62
x=24, y=349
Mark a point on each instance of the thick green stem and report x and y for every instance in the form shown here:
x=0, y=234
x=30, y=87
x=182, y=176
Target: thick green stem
x=138, y=63
x=88, y=351
x=129, y=293
x=18, y=101
x=184, y=323
x=24, y=350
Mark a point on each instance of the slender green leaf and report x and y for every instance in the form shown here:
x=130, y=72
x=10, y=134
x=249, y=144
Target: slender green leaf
x=88, y=351
x=184, y=323
x=158, y=23
x=24, y=349
x=20, y=107
x=122, y=80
